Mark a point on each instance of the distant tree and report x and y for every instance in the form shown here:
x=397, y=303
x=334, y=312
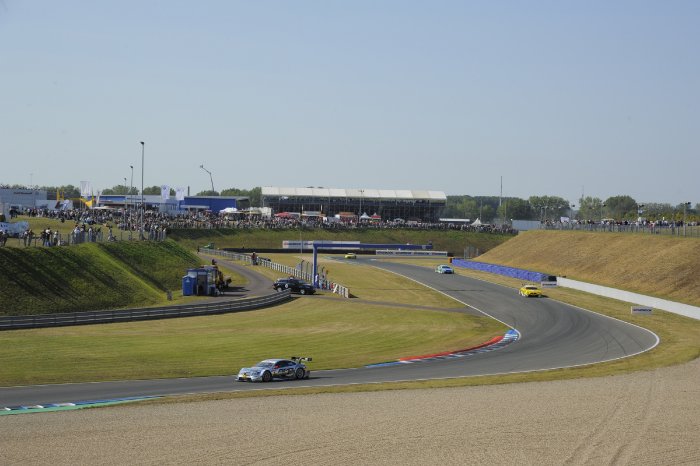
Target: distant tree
x=654, y=211
x=255, y=194
x=121, y=189
x=207, y=193
x=234, y=192
x=686, y=211
x=487, y=213
x=549, y=207
x=460, y=207
x=590, y=208
x=482, y=207
x=515, y=208
x=155, y=190
x=621, y=208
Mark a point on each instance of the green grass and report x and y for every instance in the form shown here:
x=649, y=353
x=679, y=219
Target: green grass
x=90, y=276
x=335, y=333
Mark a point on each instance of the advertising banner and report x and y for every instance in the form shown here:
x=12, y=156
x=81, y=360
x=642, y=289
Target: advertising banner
x=14, y=229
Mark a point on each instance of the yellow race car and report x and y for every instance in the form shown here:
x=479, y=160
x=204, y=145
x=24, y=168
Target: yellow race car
x=530, y=291
x=350, y=255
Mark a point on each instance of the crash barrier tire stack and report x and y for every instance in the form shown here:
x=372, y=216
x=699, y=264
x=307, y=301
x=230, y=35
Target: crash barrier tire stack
x=336, y=288
x=129, y=315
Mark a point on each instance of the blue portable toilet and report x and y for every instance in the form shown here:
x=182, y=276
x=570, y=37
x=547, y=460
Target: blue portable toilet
x=189, y=283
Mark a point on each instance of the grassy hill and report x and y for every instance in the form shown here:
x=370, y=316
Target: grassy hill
x=661, y=266
x=89, y=276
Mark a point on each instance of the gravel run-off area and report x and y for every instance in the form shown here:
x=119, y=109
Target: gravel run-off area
x=644, y=418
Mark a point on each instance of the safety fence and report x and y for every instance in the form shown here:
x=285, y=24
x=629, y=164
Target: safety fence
x=284, y=269
x=129, y=315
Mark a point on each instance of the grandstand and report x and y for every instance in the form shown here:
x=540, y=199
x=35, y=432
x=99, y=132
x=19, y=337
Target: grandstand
x=409, y=205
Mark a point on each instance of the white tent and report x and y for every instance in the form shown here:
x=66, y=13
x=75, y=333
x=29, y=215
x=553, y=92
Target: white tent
x=228, y=210
x=477, y=222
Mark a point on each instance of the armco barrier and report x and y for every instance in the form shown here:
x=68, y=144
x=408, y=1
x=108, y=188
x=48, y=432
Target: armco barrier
x=501, y=270
x=630, y=297
x=128, y=315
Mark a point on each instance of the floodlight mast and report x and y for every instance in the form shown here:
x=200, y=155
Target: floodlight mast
x=210, y=178
x=143, y=206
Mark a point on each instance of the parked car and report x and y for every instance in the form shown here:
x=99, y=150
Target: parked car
x=350, y=255
x=265, y=371
x=444, y=269
x=294, y=284
x=530, y=291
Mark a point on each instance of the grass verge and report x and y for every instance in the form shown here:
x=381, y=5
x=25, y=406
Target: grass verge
x=220, y=345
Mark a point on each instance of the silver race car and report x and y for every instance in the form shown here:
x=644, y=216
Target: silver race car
x=265, y=371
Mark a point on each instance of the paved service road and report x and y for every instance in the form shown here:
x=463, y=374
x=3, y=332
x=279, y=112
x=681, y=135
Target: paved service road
x=553, y=335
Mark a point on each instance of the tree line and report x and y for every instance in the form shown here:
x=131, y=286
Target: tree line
x=553, y=208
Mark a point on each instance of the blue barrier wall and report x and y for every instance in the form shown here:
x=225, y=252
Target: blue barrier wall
x=501, y=270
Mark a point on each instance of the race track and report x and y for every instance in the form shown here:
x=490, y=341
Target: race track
x=552, y=335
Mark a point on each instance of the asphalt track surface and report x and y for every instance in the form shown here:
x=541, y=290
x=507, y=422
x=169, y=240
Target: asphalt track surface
x=552, y=335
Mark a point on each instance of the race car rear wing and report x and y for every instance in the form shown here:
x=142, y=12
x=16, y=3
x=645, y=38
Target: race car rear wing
x=298, y=358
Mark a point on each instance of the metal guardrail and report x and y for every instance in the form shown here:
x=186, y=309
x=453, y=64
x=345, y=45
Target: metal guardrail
x=129, y=315
x=336, y=288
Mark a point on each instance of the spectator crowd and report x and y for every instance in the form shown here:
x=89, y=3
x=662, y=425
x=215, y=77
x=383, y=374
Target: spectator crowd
x=90, y=225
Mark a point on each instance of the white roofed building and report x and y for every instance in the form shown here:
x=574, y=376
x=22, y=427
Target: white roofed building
x=389, y=204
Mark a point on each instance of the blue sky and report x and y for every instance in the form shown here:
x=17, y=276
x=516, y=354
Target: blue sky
x=557, y=98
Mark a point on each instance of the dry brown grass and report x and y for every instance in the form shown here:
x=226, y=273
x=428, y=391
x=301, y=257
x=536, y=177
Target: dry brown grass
x=661, y=266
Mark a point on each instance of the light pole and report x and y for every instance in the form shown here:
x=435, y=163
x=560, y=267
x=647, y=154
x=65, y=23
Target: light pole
x=362, y=195
x=128, y=210
x=210, y=178
x=131, y=183
x=685, y=207
x=143, y=206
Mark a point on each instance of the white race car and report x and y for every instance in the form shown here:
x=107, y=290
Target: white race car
x=269, y=369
